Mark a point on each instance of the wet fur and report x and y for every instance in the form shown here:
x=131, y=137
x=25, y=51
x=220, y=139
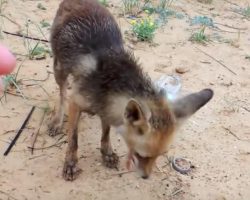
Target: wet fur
x=107, y=81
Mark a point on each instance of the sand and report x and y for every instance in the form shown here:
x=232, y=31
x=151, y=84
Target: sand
x=216, y=139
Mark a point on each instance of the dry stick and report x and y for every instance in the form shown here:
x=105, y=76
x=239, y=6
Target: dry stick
x=19, y=26
x=33, y=141
x=245, y=17
x=233, y=134
x=246, y=109
x=221, y=30
x=121, y=173
x=231, y=3
x=8, y=195
x=232, y=27
x=176, y=192
x=24, y=36
x=53, y=145
x=223, y=65
x=19, y=132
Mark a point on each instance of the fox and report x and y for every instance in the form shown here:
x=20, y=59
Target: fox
x=108, y=81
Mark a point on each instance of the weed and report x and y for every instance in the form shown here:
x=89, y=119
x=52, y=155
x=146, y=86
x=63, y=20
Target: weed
x=162, y=10
x=200, y=36
x=38, y=52
x=144, y=28
x=131, y=6
x=202, y=20
x=44, y=24
x=2, y=2
x=205, y=1
x=41, y=7
x=246, y=12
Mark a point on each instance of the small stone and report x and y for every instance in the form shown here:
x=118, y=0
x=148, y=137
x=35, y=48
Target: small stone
x=181, y=70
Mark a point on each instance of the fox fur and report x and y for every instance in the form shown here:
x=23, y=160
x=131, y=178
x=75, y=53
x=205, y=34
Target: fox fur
x=108, y=82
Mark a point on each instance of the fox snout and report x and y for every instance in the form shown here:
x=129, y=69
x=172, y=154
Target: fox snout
x=144, y=165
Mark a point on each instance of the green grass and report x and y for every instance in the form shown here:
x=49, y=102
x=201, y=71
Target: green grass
x=200, y=37
x=163, y=10
x=131, y=6
x=205, y=1
x=41, y=7
x=44, y=24
x=246, y=11
x=38, y=52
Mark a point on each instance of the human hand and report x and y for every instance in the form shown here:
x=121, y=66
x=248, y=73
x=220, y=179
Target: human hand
x=7, y=64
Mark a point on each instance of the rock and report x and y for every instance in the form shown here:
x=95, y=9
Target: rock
x=181, y=70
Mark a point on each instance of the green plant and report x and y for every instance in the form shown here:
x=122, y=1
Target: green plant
x=44, y=24
x=202, y=20
x=246, y=12
x=200, y=36
x=38, y=52
x=144, y=29
x=41, y=7
x=205, y=1
x=131, y=6
x=162, y=9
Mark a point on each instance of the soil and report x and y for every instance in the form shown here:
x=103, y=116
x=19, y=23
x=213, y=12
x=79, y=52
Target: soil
x=216, y=139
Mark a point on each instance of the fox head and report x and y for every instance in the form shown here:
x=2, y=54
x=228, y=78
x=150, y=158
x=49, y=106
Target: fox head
x=149, y=127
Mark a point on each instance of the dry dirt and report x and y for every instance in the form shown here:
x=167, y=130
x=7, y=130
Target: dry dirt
x=216, y=139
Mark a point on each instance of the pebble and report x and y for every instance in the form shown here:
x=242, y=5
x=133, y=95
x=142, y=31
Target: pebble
x=181, y=70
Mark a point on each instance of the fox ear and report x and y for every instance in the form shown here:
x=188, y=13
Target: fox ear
x=134, y=113
x=188, y=105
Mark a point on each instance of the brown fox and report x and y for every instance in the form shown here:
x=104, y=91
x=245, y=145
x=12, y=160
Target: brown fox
x=108, y=82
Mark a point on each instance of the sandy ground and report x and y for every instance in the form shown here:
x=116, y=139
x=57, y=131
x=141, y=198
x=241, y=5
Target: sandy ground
x=216, y=139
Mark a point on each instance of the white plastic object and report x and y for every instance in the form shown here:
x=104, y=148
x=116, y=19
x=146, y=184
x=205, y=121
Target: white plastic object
x=171, y=86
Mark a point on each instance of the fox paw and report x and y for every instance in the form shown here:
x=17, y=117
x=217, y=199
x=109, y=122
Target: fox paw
x=54, y=128
x=70, y=171
x=110, y=161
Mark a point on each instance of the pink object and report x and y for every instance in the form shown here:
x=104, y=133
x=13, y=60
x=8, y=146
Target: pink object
x=1, y=85
x=7, y=61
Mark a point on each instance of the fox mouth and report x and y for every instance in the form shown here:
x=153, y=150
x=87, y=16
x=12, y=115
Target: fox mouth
x=131, y=161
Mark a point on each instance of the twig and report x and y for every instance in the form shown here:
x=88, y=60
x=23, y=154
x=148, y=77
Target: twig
x=176, y=192
x=9, y=131
x=4, y=116
x=34, y=157
x=159, y=168
x=233, y=134
x=53, y=145
x=246, y=109
x=223, y=65
x=24, y=36
x=122, y=173
x=38, y=80
x=244, y=16
x=8, y=195
x=19, y=132
x=225, y=31
x=228, y=26
x=33, y=141
x=231, y=3
x=19, y=26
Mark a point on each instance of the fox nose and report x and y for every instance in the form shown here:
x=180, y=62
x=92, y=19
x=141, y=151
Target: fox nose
x=145, y=176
